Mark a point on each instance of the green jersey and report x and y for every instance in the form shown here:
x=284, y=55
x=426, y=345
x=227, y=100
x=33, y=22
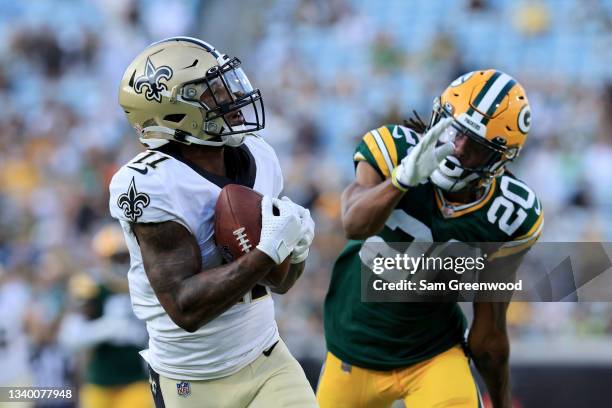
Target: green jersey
x=111, y=364
x=384, y=336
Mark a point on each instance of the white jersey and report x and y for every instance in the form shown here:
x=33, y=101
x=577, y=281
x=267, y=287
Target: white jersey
x=159, y=185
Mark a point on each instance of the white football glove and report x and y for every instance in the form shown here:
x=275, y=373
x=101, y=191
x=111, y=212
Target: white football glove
x=279, y=233
x=300, y=252
x=423, y=159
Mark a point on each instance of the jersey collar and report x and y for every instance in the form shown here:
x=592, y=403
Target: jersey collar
x=451, y=210
x=239, y=161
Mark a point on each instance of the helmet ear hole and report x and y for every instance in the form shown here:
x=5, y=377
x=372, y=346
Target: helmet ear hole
x=174, y=117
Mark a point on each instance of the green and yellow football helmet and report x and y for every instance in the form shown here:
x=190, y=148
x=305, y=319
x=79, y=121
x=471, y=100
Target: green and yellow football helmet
x=108, y=245
x=183, y=89
x=491, y=109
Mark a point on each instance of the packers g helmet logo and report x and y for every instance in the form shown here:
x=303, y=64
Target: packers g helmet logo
x=152, y=81
x=524, y=119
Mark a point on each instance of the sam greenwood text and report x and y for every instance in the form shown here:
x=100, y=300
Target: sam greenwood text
x=453, y=284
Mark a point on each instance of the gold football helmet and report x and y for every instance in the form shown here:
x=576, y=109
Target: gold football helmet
x=108, y=244
x=491, y=109
x=183, y=89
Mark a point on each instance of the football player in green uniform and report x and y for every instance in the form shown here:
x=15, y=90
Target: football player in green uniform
x=441, y=182
x=103, y=328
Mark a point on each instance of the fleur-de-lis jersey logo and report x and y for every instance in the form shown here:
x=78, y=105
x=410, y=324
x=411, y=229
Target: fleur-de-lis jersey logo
x=152, y=81
x=132, y=203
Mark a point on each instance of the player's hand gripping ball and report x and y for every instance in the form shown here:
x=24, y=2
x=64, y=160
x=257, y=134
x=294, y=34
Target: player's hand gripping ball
x=238, y=228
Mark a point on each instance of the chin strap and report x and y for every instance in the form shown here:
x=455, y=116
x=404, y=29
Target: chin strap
x=182, y=137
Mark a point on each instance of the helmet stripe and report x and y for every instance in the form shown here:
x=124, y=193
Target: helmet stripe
x=487, y=101
x=483, y=91
x=501, y=95
x=208, y=47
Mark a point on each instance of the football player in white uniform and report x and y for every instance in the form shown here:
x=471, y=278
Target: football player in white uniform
x=213, y=338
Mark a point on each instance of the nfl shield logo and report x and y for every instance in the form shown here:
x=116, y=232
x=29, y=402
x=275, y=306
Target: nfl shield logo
x=183, y=389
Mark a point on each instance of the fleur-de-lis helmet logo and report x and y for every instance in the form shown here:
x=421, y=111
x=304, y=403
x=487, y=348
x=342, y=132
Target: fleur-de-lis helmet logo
x=133, y=202
x=152, y=81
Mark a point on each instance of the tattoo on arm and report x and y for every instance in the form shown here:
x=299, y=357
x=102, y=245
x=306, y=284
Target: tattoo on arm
x=294, y=273
x=192, y=296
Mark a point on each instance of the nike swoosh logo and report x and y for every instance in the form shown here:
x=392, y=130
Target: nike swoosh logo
x=145, y=171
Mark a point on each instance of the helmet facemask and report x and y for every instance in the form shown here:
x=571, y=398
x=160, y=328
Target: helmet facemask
x=230, y=105
x=453, y=174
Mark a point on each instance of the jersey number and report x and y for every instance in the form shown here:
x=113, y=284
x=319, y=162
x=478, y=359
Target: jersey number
x=146, y=160
x=514, y=193
x=415, y=229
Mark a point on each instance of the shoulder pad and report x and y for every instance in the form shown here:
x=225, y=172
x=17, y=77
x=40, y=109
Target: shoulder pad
x=140, y=196
x=519, y=214
x=263, y=151
x=257, y=142
x=385, y=147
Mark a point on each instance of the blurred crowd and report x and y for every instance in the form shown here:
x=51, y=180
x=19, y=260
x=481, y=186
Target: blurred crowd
x=329, y=71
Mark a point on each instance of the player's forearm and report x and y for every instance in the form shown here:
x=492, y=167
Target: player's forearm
x=295, y=271
x=206, y=295
x=491, y=359
x=366, y=209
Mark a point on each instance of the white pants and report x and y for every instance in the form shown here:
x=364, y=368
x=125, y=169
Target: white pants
x=273, y=381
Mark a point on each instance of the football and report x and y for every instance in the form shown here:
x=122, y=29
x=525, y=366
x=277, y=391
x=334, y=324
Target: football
x=238, y=227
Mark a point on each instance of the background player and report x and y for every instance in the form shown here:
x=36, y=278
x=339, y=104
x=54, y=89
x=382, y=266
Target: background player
x=211, y=325
x=407, y=189
x=102, y=328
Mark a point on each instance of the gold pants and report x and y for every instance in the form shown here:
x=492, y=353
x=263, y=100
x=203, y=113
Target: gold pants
x=273, y=381
x=443, y=381
x=135, y=395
